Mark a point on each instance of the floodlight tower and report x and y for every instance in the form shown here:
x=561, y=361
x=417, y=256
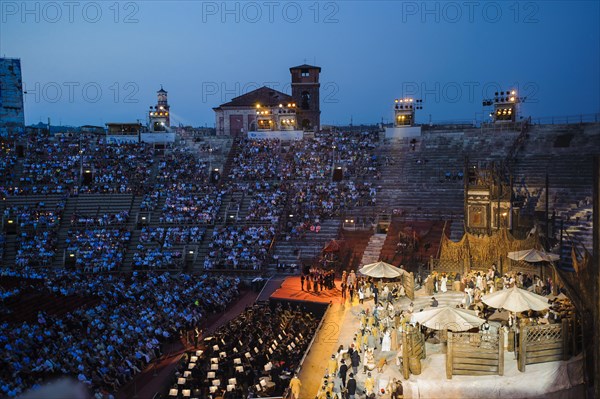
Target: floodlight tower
x=505, y=105
x=404, y=111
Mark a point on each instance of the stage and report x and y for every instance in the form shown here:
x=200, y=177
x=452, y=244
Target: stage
x=562, y=379
x=290, y=290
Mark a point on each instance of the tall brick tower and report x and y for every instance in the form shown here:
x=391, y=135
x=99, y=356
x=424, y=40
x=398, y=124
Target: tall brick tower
x=305, y=90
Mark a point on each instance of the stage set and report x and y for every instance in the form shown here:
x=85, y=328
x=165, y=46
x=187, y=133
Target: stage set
x=472, y=364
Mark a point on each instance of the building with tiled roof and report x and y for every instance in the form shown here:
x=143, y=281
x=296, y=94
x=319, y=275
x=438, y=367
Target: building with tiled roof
x=267, y=109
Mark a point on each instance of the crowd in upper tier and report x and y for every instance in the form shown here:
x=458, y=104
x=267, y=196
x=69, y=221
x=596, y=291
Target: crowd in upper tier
x=177, y=199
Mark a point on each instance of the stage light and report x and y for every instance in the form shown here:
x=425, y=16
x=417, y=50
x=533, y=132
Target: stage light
x=512, y=99
x=396, y=101
x=257, y=105
x=513, y=92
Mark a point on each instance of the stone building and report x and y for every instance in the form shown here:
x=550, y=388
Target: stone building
x=12, y=115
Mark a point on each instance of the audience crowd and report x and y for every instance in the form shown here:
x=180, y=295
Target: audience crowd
x=104, y=346
x=56, y=165
x=170, y=236
x=97, y=249
x=256, y=161
x=37, y=232
x=106, y=219
x=185, y=205
x=239, y=247
x=157, y=258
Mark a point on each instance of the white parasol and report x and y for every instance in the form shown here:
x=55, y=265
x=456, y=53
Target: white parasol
x=447, y=318
x=533, y=256
x=516, y=300
x=381, y=270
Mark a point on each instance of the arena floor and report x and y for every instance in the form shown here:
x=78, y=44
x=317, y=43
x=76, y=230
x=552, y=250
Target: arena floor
x=547, y=380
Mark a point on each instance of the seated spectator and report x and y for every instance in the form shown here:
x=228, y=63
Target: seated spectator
x=105, y=345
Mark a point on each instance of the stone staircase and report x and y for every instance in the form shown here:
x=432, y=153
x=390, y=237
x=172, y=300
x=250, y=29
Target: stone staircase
x=10, y=249
x=203, y=249
x=307, y=248
x=413, y=181
x=578, y=227
x=373, y=250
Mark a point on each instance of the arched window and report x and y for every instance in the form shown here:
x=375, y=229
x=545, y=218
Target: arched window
x=305, y=100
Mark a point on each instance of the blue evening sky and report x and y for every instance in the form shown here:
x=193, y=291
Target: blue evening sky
x=92, y=62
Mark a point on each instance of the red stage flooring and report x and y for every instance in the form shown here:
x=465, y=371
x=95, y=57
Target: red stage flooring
x=290, y=290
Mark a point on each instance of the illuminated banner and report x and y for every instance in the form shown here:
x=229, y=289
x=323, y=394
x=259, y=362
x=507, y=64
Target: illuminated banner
x=122, y=139
x=155, y=137
x=277, y=134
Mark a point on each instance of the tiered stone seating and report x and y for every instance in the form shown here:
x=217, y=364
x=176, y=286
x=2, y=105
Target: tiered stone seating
x=564, y=153
x=355, y=242
x=294, y=252
x=409, y=181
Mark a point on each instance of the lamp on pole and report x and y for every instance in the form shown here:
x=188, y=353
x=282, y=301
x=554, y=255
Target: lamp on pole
x=80, y=162
x=332, y=160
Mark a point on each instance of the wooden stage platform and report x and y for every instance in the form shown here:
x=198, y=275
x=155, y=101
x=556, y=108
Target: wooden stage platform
x=290, y=290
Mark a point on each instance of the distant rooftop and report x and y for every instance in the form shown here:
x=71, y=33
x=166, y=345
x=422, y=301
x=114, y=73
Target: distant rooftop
x=306, y=66
x=265, y=96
